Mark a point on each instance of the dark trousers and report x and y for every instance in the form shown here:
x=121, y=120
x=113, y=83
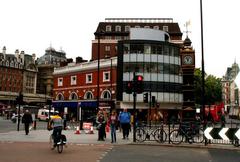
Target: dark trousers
x=125, y=129
x=57, y=131
x=101, y=132
x=26, y=128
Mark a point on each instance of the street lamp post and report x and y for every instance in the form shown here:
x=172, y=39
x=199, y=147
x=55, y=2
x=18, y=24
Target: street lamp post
x=98, y=34
x=203, y=71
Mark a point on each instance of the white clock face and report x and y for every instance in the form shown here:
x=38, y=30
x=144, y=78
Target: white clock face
x=187, y=60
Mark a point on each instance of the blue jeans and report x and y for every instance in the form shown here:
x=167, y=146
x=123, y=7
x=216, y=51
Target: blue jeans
x=113, y=132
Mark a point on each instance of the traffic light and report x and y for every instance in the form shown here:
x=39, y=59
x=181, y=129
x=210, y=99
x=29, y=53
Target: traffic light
x=19, y=99
x=129, y=87
x=153, y=101
x=145, y=97
x=138, y=84
x=49, y=102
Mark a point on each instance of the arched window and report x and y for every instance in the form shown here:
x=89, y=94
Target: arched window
x=88, y=95
x=73, y=96
x=106, y=94
x=60, y=96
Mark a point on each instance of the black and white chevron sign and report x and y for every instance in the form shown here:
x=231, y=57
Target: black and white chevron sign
x=222, y=133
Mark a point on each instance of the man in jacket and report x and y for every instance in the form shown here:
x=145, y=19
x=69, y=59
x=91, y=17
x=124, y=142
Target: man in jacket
x=27, y=120
x=125, y=118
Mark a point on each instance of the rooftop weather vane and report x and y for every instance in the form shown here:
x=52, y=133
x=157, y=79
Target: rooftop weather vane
x=187, y=24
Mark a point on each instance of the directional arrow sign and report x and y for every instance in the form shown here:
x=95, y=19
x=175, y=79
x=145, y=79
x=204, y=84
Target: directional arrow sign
x=207, y=133
x=222, y=133
x=237, y=134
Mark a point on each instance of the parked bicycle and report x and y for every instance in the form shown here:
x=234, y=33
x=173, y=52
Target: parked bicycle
x=191, y=133
x=146, y=132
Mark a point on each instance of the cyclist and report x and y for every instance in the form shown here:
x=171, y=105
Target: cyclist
x=56, y=123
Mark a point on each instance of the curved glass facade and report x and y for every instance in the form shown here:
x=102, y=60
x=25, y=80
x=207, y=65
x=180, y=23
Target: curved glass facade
x=158, y=62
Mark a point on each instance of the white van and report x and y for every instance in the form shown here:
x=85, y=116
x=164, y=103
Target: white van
x=43, y=114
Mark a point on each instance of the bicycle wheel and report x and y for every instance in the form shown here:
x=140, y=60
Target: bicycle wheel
x=176, y=137
x=160, y=135
x=51, y=142
x=199, y=136
x=60, y=146
x=140, y=135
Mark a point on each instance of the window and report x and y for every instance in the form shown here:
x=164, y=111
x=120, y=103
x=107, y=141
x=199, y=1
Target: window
x=106, y=94
x=88, y=78
x=108, y=37
x=165, y=28
x=118, y=28
x=88, y=95
x=118, y=37
x=108, y=28
x=127, y=28
x=73, y=96
x=60, y=97
x=156, y=27
x=60, y=82
x=106, y=76
x=137, y=26
x=107, y=48
x=73, y=80
x=147, y=27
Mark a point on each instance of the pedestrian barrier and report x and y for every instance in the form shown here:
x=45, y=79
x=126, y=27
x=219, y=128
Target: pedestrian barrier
x=88, y=127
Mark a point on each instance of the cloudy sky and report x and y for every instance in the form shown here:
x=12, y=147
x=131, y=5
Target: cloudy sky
x=32, y=25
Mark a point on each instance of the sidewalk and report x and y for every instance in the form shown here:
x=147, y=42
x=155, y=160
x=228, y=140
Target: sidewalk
x=91, y=139
x=43, y=136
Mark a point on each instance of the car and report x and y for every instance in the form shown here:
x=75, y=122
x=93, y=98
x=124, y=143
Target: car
x=14, y=118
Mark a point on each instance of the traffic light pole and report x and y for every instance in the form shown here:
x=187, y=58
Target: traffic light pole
x=134, y=110
x=18, y=124
x=134, y=116
x=150, y=104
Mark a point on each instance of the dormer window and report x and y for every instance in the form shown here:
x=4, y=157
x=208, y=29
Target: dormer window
x=156, y=27
x=127, y=28
x=147, y=27
x=108, y=28
x=118, y=28
x=165, y=28
x=137, y=26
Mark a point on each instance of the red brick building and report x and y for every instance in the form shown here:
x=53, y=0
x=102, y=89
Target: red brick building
x=75, y=86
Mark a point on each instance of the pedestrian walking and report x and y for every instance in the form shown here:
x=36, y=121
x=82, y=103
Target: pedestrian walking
x=125, y=118
x=27, y=120
x=113, y=124
x=101, y=121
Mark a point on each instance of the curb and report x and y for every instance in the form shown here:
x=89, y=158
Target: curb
x=209, y=146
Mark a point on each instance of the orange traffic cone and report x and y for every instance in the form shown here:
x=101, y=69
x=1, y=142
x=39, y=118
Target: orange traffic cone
x=77, y=130
x=91, y=130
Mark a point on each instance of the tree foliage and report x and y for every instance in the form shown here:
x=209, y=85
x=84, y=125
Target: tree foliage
x=213, y=88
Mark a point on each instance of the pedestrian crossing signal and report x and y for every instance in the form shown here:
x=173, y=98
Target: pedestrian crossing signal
x=129, y=87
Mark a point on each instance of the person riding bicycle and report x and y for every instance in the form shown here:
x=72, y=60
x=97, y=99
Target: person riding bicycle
x=56, y=123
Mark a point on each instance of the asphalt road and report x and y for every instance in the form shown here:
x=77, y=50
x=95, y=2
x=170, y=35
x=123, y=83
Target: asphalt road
x=40, y=152
x=145, y=153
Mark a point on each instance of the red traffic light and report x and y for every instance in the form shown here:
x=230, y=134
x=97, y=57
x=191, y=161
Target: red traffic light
x=139, y=78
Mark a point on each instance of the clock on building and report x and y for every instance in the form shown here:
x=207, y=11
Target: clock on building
x=187, y=60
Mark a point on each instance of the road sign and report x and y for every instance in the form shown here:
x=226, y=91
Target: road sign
x=222, y=133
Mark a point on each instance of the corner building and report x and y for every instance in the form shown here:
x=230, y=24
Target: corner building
x=149, y=53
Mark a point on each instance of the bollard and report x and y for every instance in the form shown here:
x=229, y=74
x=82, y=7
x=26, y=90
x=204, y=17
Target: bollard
x=34, y=124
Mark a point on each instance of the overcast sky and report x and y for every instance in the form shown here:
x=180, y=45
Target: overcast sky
x=32, y=25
